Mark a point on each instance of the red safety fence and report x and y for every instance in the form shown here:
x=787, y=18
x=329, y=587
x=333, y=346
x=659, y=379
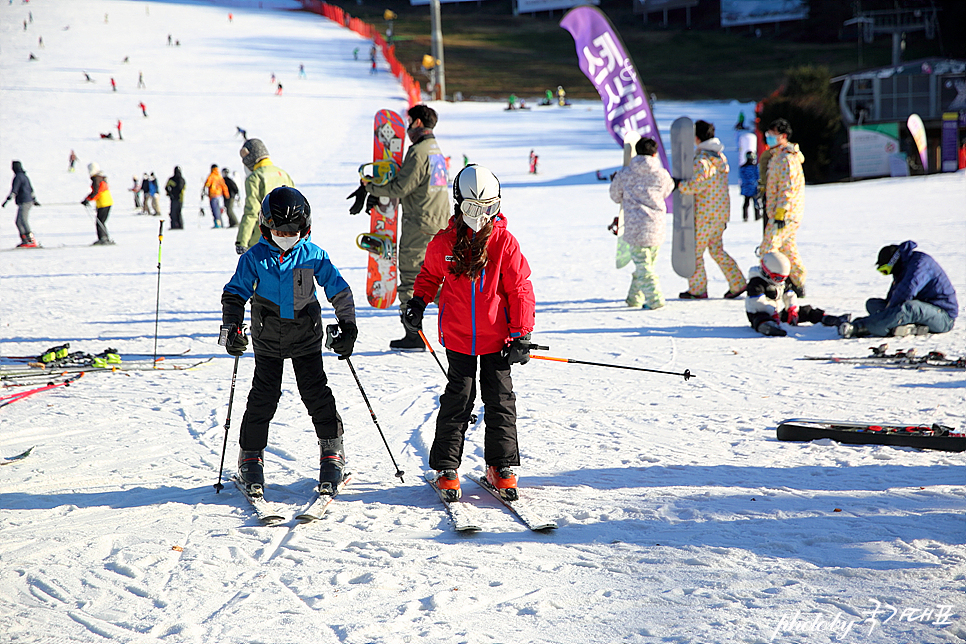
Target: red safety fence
x=364, y=29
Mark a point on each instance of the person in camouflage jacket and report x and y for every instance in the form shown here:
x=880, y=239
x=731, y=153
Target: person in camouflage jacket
x=784, y=200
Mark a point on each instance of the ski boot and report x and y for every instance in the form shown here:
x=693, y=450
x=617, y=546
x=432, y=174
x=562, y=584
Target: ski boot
x=903, y=330
x=852, y=330
x=331, y=465
x=836, y=320
x=448, y=482
x=688, y=295
x=28, y=241
x=504, y=480
x=410, y=342
x=251, y=471
x=770, y=327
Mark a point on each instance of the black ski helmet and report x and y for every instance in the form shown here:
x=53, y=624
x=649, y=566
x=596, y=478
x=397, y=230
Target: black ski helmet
x=286, y=210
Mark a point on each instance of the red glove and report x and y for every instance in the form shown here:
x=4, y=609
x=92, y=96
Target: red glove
x=793, y=315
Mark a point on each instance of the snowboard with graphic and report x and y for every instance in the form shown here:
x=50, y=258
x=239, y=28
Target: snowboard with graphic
x=682, y=161
x=387, y=153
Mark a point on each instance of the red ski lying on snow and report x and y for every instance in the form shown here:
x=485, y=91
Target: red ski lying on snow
x=936, y=436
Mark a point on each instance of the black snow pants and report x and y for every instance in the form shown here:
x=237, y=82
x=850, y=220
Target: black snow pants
x=267, y=389
x=175, y=216
x=456, y=404
x=102, y=215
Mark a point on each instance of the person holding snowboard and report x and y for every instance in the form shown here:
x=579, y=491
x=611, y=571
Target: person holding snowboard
x=784, y=200
x=217, y=192
x=101, y=196
x=712, y=210
x=265, y=177
x=278, y=274
x=641, y=188
x=486, y=314
x=22, y=192
x=174, y=188
x=420, y=186
x=749, y=186
x=921, y=299
x=772, y=301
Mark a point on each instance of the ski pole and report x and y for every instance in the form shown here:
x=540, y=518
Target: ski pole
x=157, y=305
x=687, y=372
x=473, y=417
x=332, y=333
x=399, y=472
x=231, y=398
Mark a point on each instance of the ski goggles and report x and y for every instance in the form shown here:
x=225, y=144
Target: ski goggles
x=886, y=269
x=774, y=277
x=477, y=208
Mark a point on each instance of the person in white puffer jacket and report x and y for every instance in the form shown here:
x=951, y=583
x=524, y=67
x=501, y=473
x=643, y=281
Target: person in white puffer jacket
x=642, y=188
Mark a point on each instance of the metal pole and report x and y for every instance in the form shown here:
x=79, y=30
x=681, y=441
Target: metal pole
x=231, y=398
x=687, y=372
x=437, y=49
x=157, y=305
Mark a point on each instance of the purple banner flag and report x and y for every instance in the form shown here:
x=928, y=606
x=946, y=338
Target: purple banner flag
x=604, y=60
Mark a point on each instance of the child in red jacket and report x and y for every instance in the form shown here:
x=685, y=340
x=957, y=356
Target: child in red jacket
x=486, y=310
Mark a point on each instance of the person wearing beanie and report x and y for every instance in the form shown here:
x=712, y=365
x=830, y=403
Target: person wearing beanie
x=174, y=188
x=230, y=199
x=712, y=210
x=921, y=299
x=265, y=177
x=22, y=192
x=101, y=196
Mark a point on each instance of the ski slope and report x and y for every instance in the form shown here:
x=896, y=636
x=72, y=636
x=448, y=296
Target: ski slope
x=682, y=518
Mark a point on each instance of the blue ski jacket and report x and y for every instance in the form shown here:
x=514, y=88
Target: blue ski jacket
x=286, y=314
x=749, y=179
x=917, y=276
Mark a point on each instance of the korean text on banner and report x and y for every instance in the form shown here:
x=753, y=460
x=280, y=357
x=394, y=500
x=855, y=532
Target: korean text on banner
x=604, y=60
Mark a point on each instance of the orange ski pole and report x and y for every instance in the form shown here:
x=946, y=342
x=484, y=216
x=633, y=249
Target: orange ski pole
x=687, y=372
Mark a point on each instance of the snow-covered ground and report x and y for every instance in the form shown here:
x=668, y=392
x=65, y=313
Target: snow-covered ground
x=682, y=518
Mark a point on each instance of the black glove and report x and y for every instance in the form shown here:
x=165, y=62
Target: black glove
x=5, y=203
x=676, y=182
x=341, y=338
x=614, y=225
x=518, y=351
x=84, y=203
x=233, y=338
x=412, y=319
x=36, y=203
x=240, y=249
x=371, y=202
x=359, y=195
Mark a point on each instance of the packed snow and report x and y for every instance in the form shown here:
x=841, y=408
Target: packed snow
x=681, y=517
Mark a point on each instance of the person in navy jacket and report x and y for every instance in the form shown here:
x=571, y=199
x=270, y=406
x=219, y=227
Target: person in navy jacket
x=23, y=195
x=486, y=314
x=278, y=274
x=921, y=299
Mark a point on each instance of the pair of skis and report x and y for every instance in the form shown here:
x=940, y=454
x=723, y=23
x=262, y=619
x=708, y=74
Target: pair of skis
x=903, y=358
x=466, y=519
x=270, y=513
x=12, y=398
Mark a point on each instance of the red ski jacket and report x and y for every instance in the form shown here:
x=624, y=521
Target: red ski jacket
x=482, y=315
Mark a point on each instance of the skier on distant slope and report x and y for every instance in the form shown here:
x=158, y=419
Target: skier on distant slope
x=277, y=276
x=921, y=299
x=22, y=192
x=486, y=311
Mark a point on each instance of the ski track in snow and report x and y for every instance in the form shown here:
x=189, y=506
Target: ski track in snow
x=682, y=518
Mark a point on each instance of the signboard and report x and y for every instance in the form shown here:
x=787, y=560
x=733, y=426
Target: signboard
x=918, y=132
x=949, y=142
x=755, y=12
x=533, y=6
x=872, y=149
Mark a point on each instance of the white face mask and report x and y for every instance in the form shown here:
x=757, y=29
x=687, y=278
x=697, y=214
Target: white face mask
x=285, y=243
x=475, y=223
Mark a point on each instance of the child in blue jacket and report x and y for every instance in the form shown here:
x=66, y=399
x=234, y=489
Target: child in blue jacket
x=279, y=274
x=749, y=185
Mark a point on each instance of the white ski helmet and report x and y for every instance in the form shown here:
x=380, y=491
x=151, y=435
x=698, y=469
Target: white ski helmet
x=476, y=192
x=775, y=266
x=93, y=169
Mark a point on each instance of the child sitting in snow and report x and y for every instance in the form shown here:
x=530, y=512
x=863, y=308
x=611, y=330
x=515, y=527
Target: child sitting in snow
x=772, y=301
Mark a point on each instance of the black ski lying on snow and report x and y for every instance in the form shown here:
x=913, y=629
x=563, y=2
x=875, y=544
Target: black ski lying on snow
x=906, y=358
x=8, y=460
x=520, y=507
x=937, y=437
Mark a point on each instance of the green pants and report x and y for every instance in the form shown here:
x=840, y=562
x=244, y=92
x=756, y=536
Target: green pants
x=645, y=285
x=411, y=251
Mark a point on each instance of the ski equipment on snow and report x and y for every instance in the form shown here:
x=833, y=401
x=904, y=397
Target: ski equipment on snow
x=464, y=516
x=231, y=399
x=936, y=437
x=520, y=507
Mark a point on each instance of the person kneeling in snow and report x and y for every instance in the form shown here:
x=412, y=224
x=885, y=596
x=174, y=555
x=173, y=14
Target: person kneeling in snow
x=278, y=275
x=771, y=299
x=921, y=299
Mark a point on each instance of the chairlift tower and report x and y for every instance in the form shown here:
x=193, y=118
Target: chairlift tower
x=897, y=22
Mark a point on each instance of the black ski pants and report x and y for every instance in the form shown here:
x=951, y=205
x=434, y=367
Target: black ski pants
x=267, y=389
x=102, y=215
x=456, y=404
x=175, y=216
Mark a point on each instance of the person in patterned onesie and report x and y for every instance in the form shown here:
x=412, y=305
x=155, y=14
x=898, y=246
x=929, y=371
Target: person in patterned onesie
x=712, y=210
x=784, y=200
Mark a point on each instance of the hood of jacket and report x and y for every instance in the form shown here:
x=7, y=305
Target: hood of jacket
x=788, y=148
x=16, y=167
x=906, y=249
x=713, y=144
